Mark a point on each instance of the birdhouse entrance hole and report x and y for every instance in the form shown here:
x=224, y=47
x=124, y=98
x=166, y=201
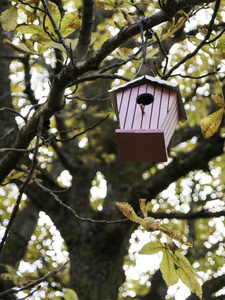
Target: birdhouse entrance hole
x=145, y=99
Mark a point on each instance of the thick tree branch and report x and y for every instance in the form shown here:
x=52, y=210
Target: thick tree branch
x=23, y=187
x=86, y=30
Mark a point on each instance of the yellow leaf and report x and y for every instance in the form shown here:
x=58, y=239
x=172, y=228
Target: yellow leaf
x=151, y=248
x=127, y=17
x=70, y=295
x=220, y=54
x=168, y=270
x=178, y=25
x=71, y=42
x=174, y=234
x=142, y=203
x=168, y=26
x=8, y=18
x=128, y=211
x=190, y=281
x=54, y=10
x=218, y=100
x=123, y=52
x=31, y=29
x=22, y=48
x=103, y=5
x=70, y=22
x=182, y=13
x=181, y=260
x=150, y=224
x=210, y=124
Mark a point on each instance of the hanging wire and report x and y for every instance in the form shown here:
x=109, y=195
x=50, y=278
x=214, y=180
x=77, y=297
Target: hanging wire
x=144, y=39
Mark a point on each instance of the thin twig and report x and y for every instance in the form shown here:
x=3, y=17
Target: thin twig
x=57, y=30
x=32, y=284
x=49, y=191
x=18, y=150
x=7, y=134
x=202, y=43
x=23, y=186
x=53, y=136
x=84, y=131
x=131, y=57
x=99, y=76
x=31, y=293
x=216, y=38
x=32, y=6
x=13, y=111
x=194, y=77
x=85, y=99
x=163, y=51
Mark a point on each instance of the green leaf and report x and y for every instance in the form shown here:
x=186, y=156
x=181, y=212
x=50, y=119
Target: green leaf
x=70, y=295
x=55, y=12
x=8, y=18
x=70, y=22
x=31, y=29
x=181, y=259
x=71, y=42
x=189, y=280
x=167, y=268
x=152, y=248
x=22, y=48
x=210, y=124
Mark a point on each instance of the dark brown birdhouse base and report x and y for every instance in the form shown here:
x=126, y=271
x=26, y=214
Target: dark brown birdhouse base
x=141, y=145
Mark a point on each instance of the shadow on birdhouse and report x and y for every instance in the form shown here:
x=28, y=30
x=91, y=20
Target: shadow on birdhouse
x=148, y=110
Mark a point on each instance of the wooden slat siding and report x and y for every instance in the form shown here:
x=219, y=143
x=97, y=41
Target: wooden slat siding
x=131, y=108
x=148, y=109
x=138, y=115
x=155, y=108
x=119, y=97
x=172, y=118
x=123, y=107
x=169, y=131
x=164, y=107
x=171, y=104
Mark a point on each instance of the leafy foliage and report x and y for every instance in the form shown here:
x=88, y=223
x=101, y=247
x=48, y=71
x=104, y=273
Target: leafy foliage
x=210, y=124
x=173, y=265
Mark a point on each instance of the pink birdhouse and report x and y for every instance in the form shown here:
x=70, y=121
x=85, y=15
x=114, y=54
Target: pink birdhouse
x=148, y=110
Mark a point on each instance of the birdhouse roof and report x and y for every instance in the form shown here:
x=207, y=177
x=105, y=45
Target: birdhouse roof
x=151, y=80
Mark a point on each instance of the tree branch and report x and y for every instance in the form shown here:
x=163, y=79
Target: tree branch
x=203, y=42
x=69, y=208
x=32, y=284
x=23, y=187
x=57, y=30
x=85, y=31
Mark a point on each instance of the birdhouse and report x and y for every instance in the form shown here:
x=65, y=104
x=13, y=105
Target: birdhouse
x=148, y=110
